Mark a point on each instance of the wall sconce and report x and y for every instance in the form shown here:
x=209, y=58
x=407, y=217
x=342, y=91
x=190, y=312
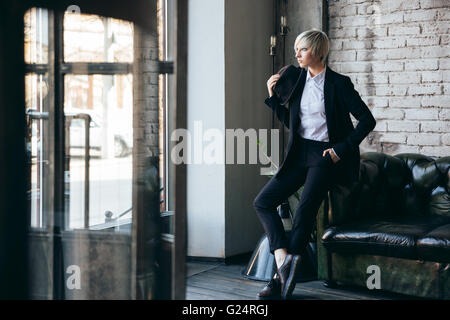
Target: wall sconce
x=283, y=26
x=273, y=45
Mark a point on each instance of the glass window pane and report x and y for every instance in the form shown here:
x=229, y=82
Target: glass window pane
x=38, y=148
x=93, y=251
x=36, y=36
x=107, y=100
x=92, y=38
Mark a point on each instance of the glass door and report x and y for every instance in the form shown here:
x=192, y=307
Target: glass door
x=40, y=146
x=88, y=202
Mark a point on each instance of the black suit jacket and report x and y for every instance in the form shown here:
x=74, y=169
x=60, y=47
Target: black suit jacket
x=341, y=99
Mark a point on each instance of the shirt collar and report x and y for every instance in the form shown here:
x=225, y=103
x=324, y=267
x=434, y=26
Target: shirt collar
x=318, y=78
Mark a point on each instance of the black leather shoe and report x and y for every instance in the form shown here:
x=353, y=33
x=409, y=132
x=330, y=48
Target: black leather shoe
x=272, y=289
x=289, y=285
x=283, y=271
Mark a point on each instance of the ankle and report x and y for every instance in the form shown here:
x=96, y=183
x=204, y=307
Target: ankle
x=280, y=261
x=280, y=255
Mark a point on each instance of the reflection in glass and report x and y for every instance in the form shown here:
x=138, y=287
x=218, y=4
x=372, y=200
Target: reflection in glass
x=36, y=90
x=91, y=38
x=36, y=35
x=107, y=102
x=87, y=187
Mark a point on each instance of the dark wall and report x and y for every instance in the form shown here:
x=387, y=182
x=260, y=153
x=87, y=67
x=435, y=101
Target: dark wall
x=13, y=202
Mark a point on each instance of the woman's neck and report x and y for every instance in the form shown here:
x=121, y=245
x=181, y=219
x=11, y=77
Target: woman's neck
x=316, y=69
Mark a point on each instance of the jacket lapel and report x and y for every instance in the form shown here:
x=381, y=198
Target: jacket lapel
x=329, y=89
x=295, y=107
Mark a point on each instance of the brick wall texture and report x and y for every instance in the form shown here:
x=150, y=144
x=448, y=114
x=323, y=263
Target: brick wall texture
x=145, y=95
x=397, y=54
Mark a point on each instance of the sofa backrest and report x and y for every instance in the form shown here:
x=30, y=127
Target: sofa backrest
x=404, y=184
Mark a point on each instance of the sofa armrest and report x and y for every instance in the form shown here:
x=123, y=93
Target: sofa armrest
x=342, y=202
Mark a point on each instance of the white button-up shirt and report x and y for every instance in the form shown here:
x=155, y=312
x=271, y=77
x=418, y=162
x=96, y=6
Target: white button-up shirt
x=313, y=123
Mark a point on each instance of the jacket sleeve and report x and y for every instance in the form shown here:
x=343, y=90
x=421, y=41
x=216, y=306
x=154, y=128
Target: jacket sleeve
x=366, y=122
x=281, y=111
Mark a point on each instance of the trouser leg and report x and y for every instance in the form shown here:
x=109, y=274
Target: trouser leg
x=270, y=197
x=317, y=183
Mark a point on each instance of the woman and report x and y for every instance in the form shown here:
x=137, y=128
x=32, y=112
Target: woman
x=323, y=149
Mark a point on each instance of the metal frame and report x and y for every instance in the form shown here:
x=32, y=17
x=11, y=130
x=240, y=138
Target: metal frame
x=87, y=147
x=180, y=111
x=59, y=158
x=86, y=68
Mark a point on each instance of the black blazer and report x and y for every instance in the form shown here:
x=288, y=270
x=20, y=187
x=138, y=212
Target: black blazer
x=341, y=99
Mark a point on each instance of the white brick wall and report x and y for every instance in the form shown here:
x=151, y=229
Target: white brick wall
x=397, y=54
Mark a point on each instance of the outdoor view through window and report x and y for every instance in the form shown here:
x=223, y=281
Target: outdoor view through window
x=79, y=107
x=96, y=104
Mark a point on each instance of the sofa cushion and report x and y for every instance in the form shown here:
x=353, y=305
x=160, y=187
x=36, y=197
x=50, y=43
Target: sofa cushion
x=405, y=184
x=394, y=236
x=435, y=245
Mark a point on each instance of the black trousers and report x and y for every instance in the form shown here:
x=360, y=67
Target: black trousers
x=308, y=168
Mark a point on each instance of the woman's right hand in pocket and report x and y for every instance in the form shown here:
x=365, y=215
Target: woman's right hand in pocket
x=271, y=82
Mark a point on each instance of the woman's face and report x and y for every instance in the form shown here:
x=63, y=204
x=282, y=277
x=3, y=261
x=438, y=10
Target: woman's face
x=304, y=56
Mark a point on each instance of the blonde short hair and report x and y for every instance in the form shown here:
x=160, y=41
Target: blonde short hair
x=317, y=40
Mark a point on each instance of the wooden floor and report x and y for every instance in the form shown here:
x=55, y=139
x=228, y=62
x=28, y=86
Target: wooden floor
x=218, y=281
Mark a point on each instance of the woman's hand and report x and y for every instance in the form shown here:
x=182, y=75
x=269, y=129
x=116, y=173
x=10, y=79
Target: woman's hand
x=271, y=82
x=332, y=155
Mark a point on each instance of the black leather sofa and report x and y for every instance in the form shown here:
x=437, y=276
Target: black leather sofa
x=396, y=217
